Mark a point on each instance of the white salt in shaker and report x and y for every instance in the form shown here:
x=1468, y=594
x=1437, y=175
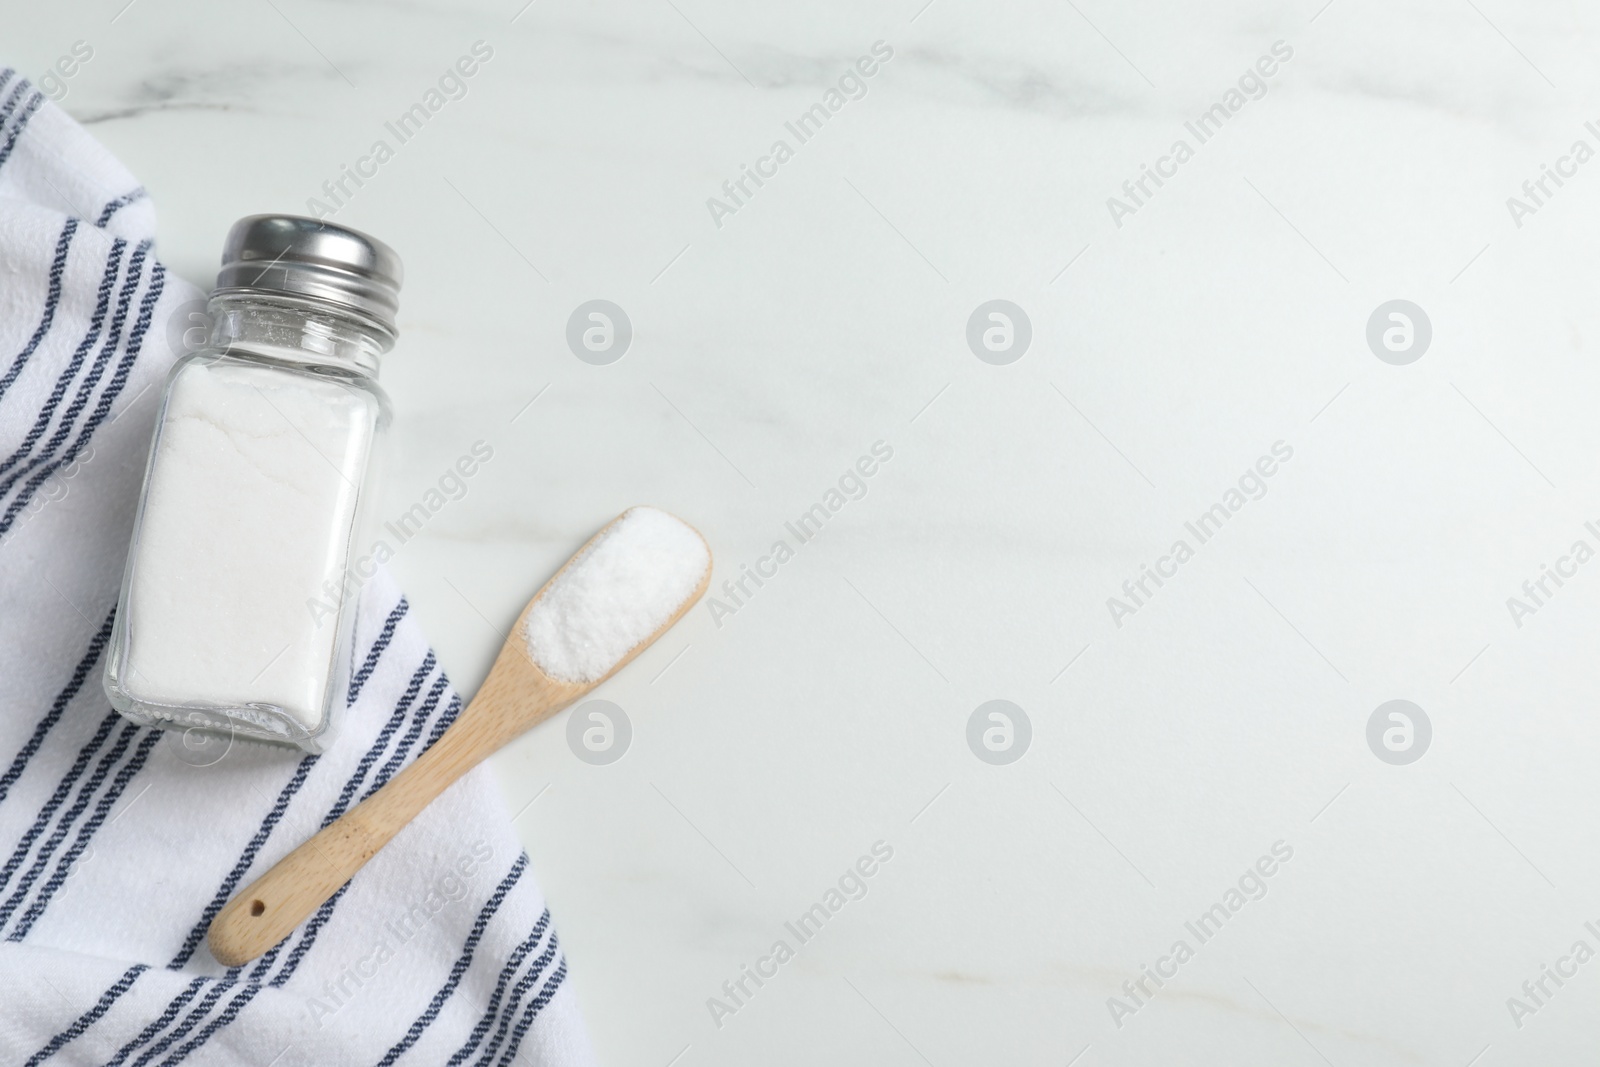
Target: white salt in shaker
x=237, y=614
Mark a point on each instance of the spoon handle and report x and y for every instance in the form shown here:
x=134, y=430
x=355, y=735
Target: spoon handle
x=270, y=908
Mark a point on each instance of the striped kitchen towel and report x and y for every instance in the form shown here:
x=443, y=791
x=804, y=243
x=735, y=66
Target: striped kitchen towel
x=119, y=843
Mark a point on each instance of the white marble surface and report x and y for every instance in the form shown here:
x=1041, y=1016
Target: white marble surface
x=769, y=354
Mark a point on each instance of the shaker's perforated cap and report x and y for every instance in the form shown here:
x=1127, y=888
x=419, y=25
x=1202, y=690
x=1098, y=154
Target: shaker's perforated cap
x=313, y=259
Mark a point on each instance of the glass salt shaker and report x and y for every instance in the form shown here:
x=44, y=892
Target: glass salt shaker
x=236, y=613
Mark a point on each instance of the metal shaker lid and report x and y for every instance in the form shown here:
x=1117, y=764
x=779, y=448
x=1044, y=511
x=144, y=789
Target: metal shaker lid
x=314, y=259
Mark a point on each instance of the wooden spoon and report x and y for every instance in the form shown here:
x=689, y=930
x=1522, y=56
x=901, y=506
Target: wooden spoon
x=517, y=695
